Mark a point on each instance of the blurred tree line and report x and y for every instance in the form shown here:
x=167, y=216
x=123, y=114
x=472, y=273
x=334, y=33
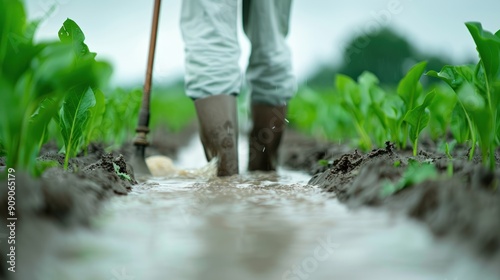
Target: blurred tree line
x=385, y=53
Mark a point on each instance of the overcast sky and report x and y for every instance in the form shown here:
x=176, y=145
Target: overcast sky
x=118, y=30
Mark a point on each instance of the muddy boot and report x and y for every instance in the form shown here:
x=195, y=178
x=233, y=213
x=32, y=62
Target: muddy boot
x=219, y=131
x=265, y=137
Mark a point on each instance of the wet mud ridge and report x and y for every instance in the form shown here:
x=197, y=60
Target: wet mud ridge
x=461, y=202
x=66, y=199
x=70, y=199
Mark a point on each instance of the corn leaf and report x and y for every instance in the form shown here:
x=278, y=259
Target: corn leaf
x=476, y=107
x=487, y=82
x=355, y=103
x=488, y=47
x=460, y=78
x=96, y=116
x=454, y=76
x=459, y=125
x=415, y=173
x=441, y=110
x=74, y=118
x=409, y=87
x=41, y=118
x=418, y=119
x=71, y=33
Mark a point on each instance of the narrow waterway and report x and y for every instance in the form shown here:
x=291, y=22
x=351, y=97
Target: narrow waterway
x=253, y=226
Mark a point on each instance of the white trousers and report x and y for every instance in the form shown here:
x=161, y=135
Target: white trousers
x=209, y=30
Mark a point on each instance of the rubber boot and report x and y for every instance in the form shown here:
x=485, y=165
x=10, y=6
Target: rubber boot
x=218, y=122
x=268, y=126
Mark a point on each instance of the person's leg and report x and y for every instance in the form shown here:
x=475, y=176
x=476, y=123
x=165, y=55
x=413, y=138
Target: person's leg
x=270, y=76
x=212, y=76
x=269, y=72
x=209, y=30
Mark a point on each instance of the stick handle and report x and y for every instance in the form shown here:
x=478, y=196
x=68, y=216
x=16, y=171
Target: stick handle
x=144, y=114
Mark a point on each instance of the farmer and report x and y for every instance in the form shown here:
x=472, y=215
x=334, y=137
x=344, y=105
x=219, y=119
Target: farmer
x=213, y=79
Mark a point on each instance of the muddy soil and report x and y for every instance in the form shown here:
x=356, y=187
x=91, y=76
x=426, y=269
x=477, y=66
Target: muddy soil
x=71, y=198
x=464, y=206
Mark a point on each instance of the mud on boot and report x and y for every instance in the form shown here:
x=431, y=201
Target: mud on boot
x=218, y=122
x=265, y=137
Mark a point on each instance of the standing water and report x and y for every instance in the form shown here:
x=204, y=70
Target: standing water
x=191, y=225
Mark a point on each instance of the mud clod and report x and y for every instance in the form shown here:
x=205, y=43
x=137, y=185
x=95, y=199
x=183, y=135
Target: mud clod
x=463, y=203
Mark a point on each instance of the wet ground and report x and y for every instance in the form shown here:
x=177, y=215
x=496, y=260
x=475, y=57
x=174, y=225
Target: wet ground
x=253, y=226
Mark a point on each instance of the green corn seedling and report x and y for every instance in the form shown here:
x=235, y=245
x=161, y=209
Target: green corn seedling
x=356, y=102
x=418, y=119
x=83, y=105
x=478, y=90
x=32, y=85
x=409, y=89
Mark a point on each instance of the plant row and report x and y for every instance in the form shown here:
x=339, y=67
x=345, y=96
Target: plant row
x=369, y=114
x=58, y=91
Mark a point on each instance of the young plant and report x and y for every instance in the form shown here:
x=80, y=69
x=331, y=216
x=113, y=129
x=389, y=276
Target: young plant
x=410, y=90
x=448, y=148
x=81, y=111
x=415, y=173
x=478, y=91
x=96, y=117
x=375, y=96
x=418, y=119
x=74, y=118
x=321, y=114
x=441, y=111
x=34, y=78
x=356, y=102
x=390, y=113
x=120, y=117
x=462, y=125
x=400, y=115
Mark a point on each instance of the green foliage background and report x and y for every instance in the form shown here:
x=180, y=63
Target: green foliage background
x=59, y=91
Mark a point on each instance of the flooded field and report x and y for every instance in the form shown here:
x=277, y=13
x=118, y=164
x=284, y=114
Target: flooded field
x=252, y=226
